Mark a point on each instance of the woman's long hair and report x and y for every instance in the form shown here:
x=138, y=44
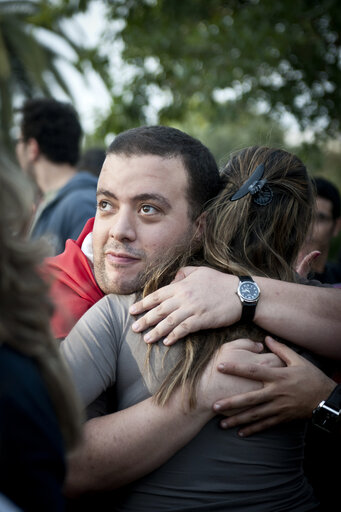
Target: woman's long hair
x=25, y=308
x=242, y=237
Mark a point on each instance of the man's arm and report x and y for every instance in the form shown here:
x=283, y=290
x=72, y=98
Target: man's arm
x=202, y=298
x=292, y=392
x=121, y=447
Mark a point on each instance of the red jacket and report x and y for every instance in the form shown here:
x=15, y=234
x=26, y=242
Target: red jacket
x=73, y=286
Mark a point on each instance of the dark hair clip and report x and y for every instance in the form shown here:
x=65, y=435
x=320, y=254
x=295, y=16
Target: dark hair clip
x=260, y=191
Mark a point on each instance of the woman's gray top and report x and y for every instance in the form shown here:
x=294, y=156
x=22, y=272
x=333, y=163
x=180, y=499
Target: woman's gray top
x=217, y=470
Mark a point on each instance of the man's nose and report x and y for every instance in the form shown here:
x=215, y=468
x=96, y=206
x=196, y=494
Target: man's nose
x=123, y=227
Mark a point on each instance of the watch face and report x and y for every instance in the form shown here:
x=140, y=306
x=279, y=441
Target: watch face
x=249, y=291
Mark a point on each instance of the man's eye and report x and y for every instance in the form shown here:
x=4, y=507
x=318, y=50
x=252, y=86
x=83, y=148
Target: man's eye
x=147, y=209
x=103, y=205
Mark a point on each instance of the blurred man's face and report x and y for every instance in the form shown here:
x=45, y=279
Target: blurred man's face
x=322, y=231
x=324, y=226
x=24, y=157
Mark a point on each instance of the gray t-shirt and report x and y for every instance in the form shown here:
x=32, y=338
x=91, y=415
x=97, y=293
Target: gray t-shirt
x=217, y=470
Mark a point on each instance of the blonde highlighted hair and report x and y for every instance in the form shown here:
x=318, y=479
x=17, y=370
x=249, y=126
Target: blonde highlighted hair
x=25, y=308
x=242, y=238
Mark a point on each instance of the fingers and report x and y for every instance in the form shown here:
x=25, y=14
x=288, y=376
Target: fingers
x=166, y=310
x=255, y=419
x=289, y=356
x=258, y=426
x=249, y=371
x=169, y=320
x=166, y=328
x=242, y=344
x=251, y=415
x=248, y=400
x=150, y=301
x=154, y=299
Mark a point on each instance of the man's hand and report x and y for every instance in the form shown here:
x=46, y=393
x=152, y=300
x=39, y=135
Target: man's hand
x=289, y=393
x=196, y=299
x=215, y=386
x=203, y=298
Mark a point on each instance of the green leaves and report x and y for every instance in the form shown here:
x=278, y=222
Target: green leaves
x=29, y=54
x=283, y=54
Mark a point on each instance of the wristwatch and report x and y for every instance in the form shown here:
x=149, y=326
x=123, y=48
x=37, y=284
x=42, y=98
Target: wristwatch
x=327, y=414
x=248, y=292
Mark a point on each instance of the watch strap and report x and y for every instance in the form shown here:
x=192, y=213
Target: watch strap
x=248, y=312
x=248, y=309
x=327, y=415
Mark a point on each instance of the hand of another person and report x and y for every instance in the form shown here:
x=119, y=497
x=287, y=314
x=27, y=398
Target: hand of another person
x=198, y=298
x=214, y=385
x=289, y=393
x=304, y=264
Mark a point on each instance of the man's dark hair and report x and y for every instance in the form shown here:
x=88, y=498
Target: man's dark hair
x=92, y=160
x=203, y=174
x=326, y=189
x=56, y=128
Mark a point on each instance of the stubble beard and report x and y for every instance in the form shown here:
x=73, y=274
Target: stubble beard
x=118, y=285
x=125, y=285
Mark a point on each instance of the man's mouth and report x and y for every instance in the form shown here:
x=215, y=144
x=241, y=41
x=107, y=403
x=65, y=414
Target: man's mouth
x=120, y=258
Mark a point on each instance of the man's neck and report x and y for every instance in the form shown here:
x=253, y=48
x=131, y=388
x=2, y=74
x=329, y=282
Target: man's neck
x=51, y=176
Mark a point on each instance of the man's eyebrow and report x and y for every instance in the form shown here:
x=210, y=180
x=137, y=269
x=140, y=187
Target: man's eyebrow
x=140, y=197
x=153, y=197
x=105, y=192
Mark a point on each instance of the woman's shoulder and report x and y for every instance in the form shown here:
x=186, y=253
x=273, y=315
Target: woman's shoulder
x=118, y=305
x=16, y=365
x=20, y=379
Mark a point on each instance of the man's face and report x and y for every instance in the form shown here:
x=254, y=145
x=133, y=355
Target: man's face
x=24, y=158
x=142, y=213
x=324, y=226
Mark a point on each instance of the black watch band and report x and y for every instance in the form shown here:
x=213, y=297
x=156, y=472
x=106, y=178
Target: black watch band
x=327, y=414
x=248, y=304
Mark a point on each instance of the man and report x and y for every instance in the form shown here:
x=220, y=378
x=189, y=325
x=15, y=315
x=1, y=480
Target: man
x=151, y=191
x=48, y=151
x=327, y=225
x=92, y=160
x=319, y=445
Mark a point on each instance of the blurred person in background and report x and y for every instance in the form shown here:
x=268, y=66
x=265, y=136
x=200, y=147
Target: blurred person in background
x=321, y=445
x=326, y=226
x=39, y=411
x=92, y=160
x=48, y=151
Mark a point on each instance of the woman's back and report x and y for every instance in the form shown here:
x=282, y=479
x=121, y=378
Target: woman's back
x=32, y=463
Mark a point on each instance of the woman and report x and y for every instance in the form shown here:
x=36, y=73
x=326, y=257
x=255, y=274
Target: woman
x=39, y=413
x=255, y=226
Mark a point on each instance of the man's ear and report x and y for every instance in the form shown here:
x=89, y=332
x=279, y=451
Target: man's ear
x=337, y=227
x=33, y=150
x=200, y=224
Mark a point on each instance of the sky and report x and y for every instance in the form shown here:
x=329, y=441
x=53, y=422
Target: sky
x=90, y=95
